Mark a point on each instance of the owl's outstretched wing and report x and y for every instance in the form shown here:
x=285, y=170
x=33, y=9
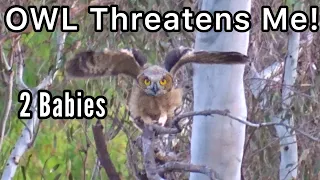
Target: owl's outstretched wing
x=92, y=64
x=176, y=58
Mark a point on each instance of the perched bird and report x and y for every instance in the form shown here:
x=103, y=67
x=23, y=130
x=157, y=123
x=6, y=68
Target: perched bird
x=154, y=97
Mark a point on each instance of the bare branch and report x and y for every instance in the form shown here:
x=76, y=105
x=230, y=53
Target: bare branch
x=152, y=170
x=163, y=130
x=5, y=60
x=179, y=166
x=20, y=67
x=29, y=132
x=148, y=153
x=8, y=106
x=6, y=115
x=47, y=81
x=96, y=170
x=103, y=153
x=23, y=143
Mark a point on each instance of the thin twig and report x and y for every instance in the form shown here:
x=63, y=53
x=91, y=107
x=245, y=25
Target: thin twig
x=179, y=166
x=20, y=67
x=163, y=130
x=96, y=169
x=8, y=107
x=5, y=61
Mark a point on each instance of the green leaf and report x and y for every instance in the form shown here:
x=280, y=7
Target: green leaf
x=54, y=142
x=57, y=176
x=23, y=169
x=54, y=168
x=70, y=176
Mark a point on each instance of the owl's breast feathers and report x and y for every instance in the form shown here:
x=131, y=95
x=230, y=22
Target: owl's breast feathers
x=151, y=108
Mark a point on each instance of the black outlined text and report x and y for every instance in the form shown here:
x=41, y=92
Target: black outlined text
x=268, y=19
x=245, y=21
x=25, y=97
x=118, y=16
x=314, y=18
x=24, y=20
x=187, y=15
x=65, y=16
x=298, y=21
x=39, y=18
x=98, y=11
x=70, y=106
x=152, y=21
x=18, y=18
x=203, y=21
x=44, y=13
x=172, y=21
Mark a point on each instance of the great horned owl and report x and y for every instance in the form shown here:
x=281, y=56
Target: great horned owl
x=154, y=97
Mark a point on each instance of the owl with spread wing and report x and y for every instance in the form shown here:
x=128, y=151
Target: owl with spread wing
x=154, y=98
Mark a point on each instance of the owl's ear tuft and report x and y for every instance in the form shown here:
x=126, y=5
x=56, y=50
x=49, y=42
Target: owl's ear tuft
x=140, y=58
x=174, y=56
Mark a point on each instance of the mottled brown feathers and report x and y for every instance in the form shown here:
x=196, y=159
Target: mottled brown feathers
x=154, y=97
x=151, y=108
x=90, y=64
x=180, y=56
x=173, y=57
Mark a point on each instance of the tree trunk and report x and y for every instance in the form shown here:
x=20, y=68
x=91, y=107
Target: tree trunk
x=288, y=141
x=218, y=141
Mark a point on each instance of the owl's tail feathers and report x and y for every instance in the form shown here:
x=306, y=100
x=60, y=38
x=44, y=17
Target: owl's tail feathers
x=180, y=56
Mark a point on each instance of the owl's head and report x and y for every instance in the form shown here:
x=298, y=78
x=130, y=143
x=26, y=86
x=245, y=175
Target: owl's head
x=155, y=81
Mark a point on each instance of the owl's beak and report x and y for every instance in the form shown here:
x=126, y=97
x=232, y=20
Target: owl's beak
x=155, y=89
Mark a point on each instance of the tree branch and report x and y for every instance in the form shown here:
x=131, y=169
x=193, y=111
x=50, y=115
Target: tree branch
x=153, y=171
x=148, y=153
x=20, y=67
x=7, y=108
x=103, y=153
x=29, y=132
x=179, y=166
x=162, y=130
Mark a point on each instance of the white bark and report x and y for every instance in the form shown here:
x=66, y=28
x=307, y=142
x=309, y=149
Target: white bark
x=28, y=135
x=23, y=143
x=288, y=144
x=259, y=81
x=217, y=141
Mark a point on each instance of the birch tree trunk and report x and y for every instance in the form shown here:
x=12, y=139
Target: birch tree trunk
x=288, y=141
x=218, y=141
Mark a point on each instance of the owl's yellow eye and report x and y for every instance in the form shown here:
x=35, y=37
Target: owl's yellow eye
x=147, y=82
x=163, y=82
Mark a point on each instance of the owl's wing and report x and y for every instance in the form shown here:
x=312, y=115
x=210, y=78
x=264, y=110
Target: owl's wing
x=92, y=64
x=177, y=57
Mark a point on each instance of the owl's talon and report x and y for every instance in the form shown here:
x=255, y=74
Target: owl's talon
x=162, y=120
